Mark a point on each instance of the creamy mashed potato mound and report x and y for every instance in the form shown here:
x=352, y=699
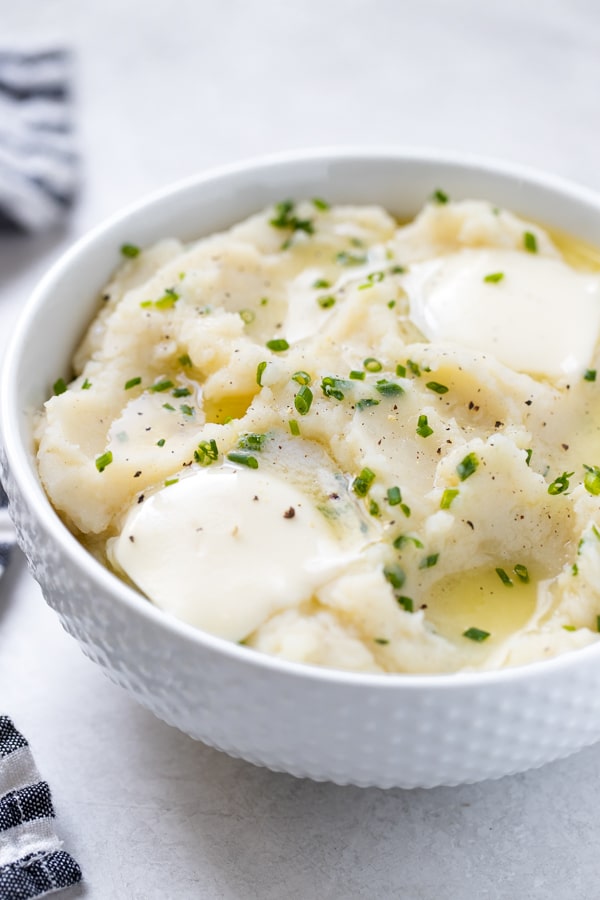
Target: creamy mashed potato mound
x=344, y=441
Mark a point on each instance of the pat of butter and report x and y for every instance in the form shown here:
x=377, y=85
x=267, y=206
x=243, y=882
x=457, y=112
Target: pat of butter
x=226, y=548
x=541, y=317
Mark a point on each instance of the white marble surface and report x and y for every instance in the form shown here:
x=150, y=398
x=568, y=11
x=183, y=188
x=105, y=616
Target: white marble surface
x=169, y=87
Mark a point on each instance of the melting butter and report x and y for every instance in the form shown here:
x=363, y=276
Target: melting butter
x=226, y=548
x=536, y=315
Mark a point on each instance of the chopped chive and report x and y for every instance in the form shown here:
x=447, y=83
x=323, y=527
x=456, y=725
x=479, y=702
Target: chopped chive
x=382, y=641
x=597, y=623
x=366, y=402
x=589, y=375
x=146, y=303
x=185, y=360
x=591, y=480
x=161, y=386
x=130, y=250
x=429, y=561
x=397, y=270
x=569, y=627
x=414, y=367
x=59, y=387
x=396, y=576
x=389, y=388
x=406, y=603
x=394, y=496
x=363, y=482
x=404, y=539
x=447, y=497
x=259, y=372
x=133, y=382
x=252, y=441
x=326, y=302
x=206, y=452
x=278, y=345
x=424, y=429
x=528, y=457
x=522, y=573
x=372, y=365
x=171, y=481
x=285, y=218
x=530, y=242
x=437, y=387
x=476, y=634
x=181, y=392
x=321, y=283
x=467, y=466
x=181, y=276
x=169, y=407
x=168, y=299
x=560, y=484
x=372, y=278
x=439, y=197
x=86, y=385
x=264, y=301
x=301, y=377
x=405, y=509
x=356, y=375
x=161, y=443
x=331, y=387
x=247, y=316
x=320, y=204
x=373, y=507
x=243, y=459
x=494, y=277
x=187, y=410
x=104, y=460
x=391, y=304
x=294, y=427
x=345, y=258
x=303, y=399
x=504, y=578
x=401, y=371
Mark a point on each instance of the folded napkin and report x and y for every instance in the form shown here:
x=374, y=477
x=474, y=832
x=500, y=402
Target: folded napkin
x=38, y=158
x=32, y=863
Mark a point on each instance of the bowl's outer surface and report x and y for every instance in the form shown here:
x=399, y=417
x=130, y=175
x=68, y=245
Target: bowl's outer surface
x=404, y=731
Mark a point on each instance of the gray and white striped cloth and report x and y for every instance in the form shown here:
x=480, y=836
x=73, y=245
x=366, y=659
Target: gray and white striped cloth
x=38, y=181
x=32, y=861
x=38, y=158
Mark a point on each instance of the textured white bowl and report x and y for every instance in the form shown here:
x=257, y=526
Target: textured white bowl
x=393, y=730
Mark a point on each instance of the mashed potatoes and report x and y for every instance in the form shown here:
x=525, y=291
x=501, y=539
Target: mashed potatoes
x=345, y=442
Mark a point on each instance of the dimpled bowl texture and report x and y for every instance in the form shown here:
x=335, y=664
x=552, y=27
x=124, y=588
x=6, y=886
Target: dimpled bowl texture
x=385, y=730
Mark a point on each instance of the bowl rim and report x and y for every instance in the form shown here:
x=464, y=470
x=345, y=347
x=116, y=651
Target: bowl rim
x=17, y=454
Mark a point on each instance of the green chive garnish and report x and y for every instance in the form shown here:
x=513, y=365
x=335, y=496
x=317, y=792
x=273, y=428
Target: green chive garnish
x=372, y=365
x=104, y=460
x=247, y=316
x=406, y=603
x=396, y=576
x=161, y=443
x=326, y=302
x=130, y=250
x=424, y=429
x=259, y=372
x=320, y=204
x=494, y=277
x=366, y=402
x=447, y=497
x=160, y=386
x=181, y=392
x=363, y=482
x=133, y=382
x=440, y=197
x=429, y=561
x=294, y=427
x=394, y=496
x=356, y=375
x=59, y=387
x=504, y=578
x=243, y=459
x=591, y=480
x=389, y=388
x=589, y=375
x=404, y=539
x=321, y=283
x=206, y=452
x=468, y=465
x=437, y=387
x=522, y=573
x=303, y=399
x=187, y=410
x=476, y=634
x=301, y=377
x=530, y=242
x=560, y=484
x=86, y=385
x=185, y=360
x=252, y=441
x=278, y=345
x=382, y=641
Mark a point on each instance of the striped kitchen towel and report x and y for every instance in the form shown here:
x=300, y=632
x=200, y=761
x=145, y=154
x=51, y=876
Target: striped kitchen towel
x=32, y=863
x=38, y=159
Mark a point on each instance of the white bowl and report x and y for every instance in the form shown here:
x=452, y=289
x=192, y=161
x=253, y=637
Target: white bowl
x=385, y=730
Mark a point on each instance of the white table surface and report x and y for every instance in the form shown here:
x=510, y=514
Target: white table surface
x=167, y=88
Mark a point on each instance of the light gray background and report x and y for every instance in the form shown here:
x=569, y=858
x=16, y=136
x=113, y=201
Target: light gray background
x=167, y=88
